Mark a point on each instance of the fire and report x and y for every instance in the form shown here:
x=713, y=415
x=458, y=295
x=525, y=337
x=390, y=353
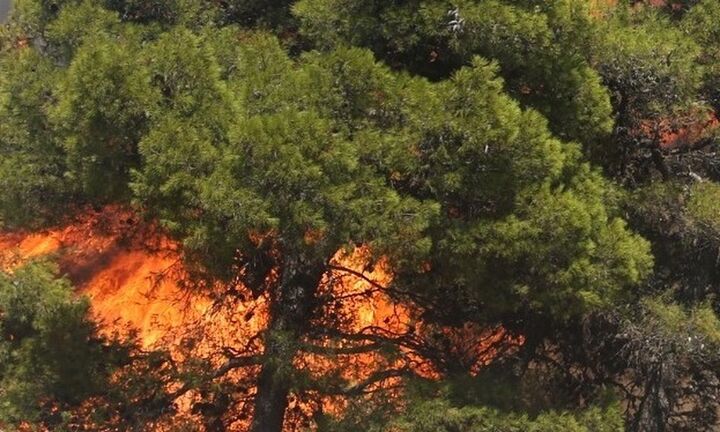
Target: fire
x=683, y=132
x=119, y=263
x=134, y=277
x=130, y=272
x=674, y=137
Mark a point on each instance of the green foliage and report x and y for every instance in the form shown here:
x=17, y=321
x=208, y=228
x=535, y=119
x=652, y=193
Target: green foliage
x=702, y=23
x=650, y=67
x=277, y=169
x=145, y=11
x=101, y=113
x=75, y=25
x=271, y=13
x=600, y=79
x=527, y=224
x=652, y=70
x=459, y=161
x=691, y=211
x=187, y=75
x=226, y=141
x=33, y=16
x=58, y=371
x=32, y=183
x=704, y=206
x=540, y=49
x=677, y=322
x=284, y=169
x=438, y=415
x=51, y=358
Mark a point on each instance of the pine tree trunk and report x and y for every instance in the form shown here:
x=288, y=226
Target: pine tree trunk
x=653, y=412
x=271, y=399
x=290, y=313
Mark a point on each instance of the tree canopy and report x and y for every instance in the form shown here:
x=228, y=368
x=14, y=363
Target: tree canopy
x=545, y=171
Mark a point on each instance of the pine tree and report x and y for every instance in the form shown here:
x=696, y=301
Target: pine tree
x=499, y=157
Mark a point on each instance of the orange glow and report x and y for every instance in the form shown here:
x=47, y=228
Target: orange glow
x=677, y=138
x=672, y=134
x=131, y=272
x=117, y=262
x=134, y=277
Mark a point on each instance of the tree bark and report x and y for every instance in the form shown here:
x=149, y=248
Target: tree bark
x=653, y=411
x=291, y=309
x=271, y=399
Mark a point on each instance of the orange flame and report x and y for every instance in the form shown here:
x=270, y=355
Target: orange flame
x=133, y=274
x=118, y=263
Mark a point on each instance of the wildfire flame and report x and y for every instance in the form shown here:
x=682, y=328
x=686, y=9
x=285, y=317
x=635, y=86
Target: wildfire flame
x=133, y=275
x=118, y=263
